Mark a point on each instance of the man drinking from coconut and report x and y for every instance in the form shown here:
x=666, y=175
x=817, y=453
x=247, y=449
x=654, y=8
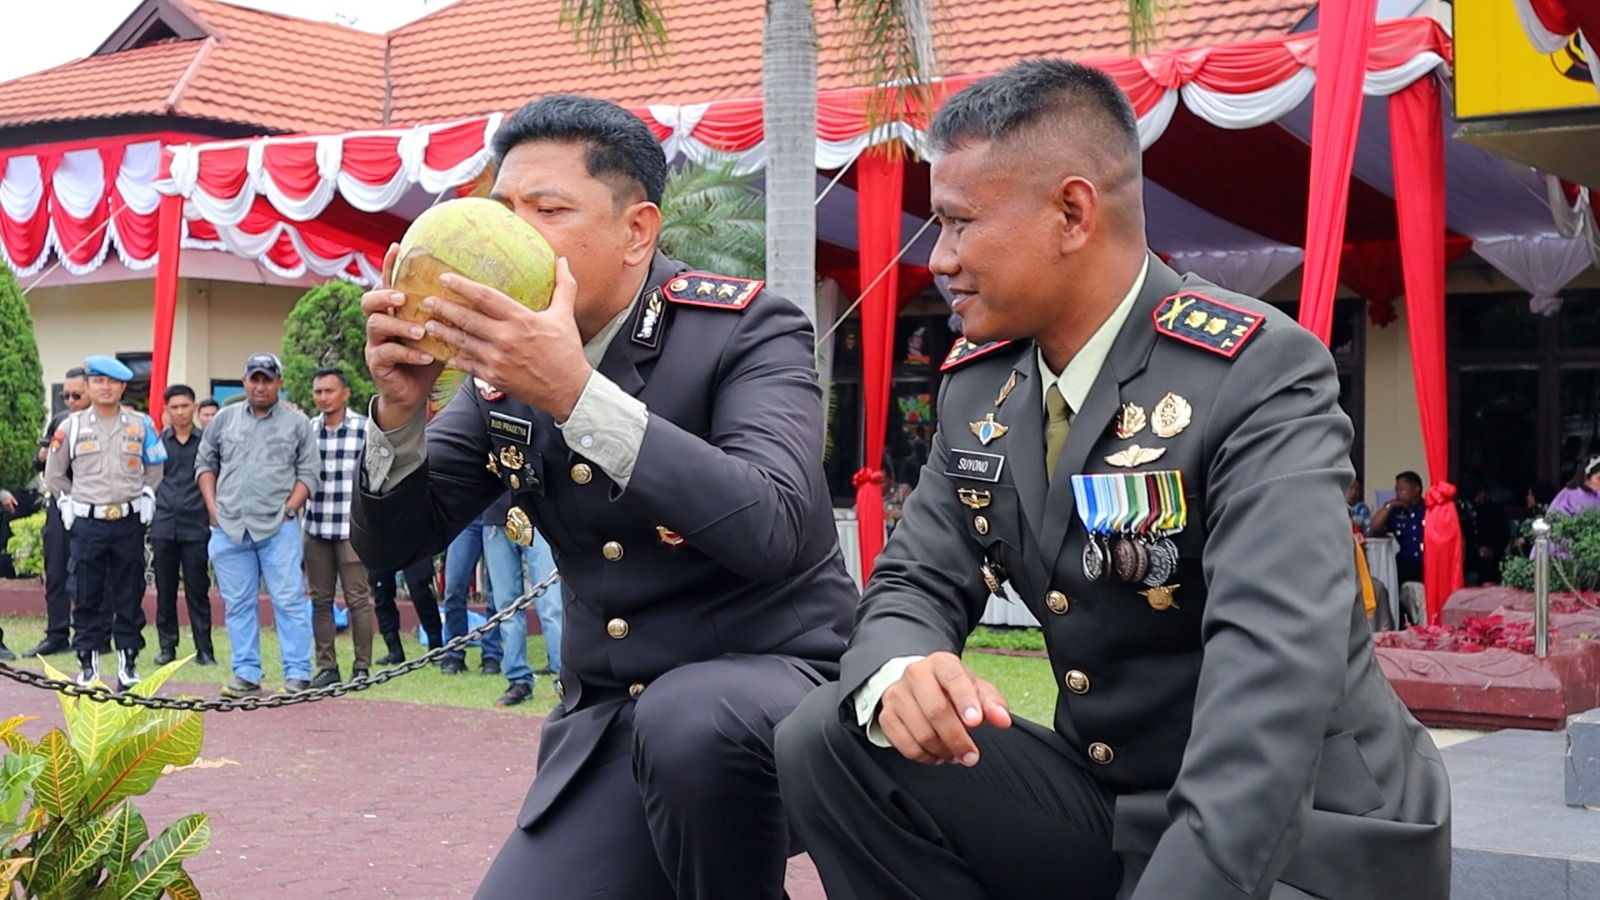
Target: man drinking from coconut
x=662, y=429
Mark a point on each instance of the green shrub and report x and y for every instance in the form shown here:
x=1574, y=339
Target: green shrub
x=326, y=328
x=26, y=547
x=985, y=638
x=1575, y=546
x=22, y=411
x=68, y=826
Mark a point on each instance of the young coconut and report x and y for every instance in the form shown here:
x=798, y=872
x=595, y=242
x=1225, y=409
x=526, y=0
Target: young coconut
x=478, y=239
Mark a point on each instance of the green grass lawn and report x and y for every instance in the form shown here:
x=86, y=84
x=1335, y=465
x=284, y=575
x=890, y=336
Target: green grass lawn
x=1027, y=682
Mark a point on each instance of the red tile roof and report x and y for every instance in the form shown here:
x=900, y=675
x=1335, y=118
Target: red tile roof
x=281, y=73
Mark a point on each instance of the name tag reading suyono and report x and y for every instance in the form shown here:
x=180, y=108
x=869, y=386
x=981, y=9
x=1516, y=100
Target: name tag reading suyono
x=975, y=464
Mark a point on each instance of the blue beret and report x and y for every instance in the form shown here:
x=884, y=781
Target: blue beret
x=109, y=366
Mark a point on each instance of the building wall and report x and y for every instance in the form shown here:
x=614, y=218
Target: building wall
x=1393, y=433
x=218, y=324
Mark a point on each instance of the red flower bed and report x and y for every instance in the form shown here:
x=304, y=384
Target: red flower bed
x=1473, y=635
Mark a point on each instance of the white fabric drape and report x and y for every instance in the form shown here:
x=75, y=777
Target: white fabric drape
x=1251, y=273
x=1541, y=265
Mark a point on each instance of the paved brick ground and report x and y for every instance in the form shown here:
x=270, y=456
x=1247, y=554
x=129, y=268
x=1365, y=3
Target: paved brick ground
x=348, y=798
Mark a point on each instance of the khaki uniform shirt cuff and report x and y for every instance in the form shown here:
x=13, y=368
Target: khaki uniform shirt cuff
x=607, y=426
x=870, y=694
x=392, y=455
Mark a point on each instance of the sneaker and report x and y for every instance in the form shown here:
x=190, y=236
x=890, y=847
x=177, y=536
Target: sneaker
x=127, y=673
x=452, y=666
x=46, y=647
x=490, y=667
x=517, y=692
x=359, y=673
x=88, y=667
x=325, y=677
x=295, y=685
x=238, y=687
x=167, y=654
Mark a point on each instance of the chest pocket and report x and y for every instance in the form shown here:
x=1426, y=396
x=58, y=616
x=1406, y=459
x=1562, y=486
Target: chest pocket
x=519, y=469
x=993, y=513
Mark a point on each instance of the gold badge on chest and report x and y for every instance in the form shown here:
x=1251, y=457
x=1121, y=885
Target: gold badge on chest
x=1171, y=416
x=1135, y=455
x=1130, y=421
x=987, y=429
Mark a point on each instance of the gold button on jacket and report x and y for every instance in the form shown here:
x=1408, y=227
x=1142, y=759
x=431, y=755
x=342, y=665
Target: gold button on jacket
x=1056, y=601
x=611, y=551
x=1100, y=753
x=1077, y=681
x=635, y=689
x=581, y=473
x=617, y=628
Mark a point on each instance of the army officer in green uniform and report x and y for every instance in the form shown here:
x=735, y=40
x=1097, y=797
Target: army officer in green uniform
x=1158, y=467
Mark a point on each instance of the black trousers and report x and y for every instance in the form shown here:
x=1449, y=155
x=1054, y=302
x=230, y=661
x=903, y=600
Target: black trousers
x=1026, y=821
x=678, y=801
x=419, y=580
x=171, y=555
x=60, y=584
x=108, y=563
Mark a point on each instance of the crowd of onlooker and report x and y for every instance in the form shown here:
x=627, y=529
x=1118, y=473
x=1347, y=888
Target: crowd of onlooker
x=253, y=494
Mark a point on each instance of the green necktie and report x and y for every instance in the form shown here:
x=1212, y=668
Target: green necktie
x=1055, y=429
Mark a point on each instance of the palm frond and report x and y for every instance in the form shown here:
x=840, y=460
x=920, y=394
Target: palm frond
x=1147, y=23
x=613, y=30
x=890, y=44
x=714, y=218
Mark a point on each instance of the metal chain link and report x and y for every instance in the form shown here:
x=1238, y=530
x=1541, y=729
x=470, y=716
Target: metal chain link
x=99, y=693
x=1576, y=594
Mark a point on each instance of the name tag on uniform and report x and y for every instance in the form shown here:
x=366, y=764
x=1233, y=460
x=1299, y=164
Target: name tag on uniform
x=975, y=464
x=519, y=430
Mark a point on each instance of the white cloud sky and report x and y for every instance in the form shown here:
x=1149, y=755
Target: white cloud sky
x=41, y=35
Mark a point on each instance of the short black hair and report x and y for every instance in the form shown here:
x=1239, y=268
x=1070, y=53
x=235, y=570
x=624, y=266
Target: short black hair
x=1028, y=92
x=77, y=372
x=209, y=401
x=335, y=371
x=620, y=146
x=179, y=390
x=1410, y=477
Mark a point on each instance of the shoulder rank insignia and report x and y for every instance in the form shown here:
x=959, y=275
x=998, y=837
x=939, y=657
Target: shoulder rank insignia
x=647, y=320
x=966, y=351
x=1199, y=320
x=719, y=291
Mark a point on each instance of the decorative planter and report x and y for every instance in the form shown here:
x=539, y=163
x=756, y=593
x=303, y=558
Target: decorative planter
x=1496, y=688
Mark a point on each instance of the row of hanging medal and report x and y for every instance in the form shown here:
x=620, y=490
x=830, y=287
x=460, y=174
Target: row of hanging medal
x=1131, y=518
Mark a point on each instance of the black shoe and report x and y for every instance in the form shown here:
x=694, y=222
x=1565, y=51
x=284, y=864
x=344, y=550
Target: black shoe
x=5, y=654
x=204, y=658
x=166, y=655
x=325, y=678
x=46, y=647
x=452, y=666
x=490, y=667
x=238, y=687
x=518, y=692
x=295, y=685
x=88, y=667
x=127, y=671
x=359, y=673
x=544, y=671
x=396, y=654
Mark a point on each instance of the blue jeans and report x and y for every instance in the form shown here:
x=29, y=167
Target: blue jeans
x=460, y=559
x=239, y=568
x=505, y=561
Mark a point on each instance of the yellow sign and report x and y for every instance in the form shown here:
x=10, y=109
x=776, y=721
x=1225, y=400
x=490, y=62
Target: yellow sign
x=1500, y=73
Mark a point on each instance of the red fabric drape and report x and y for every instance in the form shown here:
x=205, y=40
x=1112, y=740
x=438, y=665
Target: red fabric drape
x=169, y=229
x=1417, y=137
x=880, y=180
x=1344, y=38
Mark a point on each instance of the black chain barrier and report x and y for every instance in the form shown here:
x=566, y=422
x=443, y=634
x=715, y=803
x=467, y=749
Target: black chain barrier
x=99, y=693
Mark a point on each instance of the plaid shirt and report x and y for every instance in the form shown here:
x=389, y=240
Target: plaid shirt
x=328, y=512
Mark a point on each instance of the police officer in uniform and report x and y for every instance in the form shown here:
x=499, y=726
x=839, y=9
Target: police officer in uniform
x=1158, y=467
x=662, y=429
x=104, y=465
x=58, y=581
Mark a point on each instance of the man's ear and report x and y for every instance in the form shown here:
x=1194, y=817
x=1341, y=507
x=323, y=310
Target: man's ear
x=644, y=228
x=1077, y=202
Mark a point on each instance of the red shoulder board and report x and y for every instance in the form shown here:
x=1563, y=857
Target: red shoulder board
x=966, y=351
x=1205, y=322
x=720, y=291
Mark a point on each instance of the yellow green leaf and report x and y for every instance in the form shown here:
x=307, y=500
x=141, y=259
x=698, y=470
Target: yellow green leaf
x=150, y=683
x=16, y=774
x=9, y=869
x=68, y=873
x=162, y=862
x=129, y=836
x=131, y=764
x=90, y=724
x=182, y=887
x=59, y=785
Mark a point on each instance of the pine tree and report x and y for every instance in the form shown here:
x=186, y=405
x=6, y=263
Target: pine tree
x=22, y=410
x=326, y=328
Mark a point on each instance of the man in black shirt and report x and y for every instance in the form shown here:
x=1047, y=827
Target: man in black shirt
x=58, y=580
x=179, y=534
